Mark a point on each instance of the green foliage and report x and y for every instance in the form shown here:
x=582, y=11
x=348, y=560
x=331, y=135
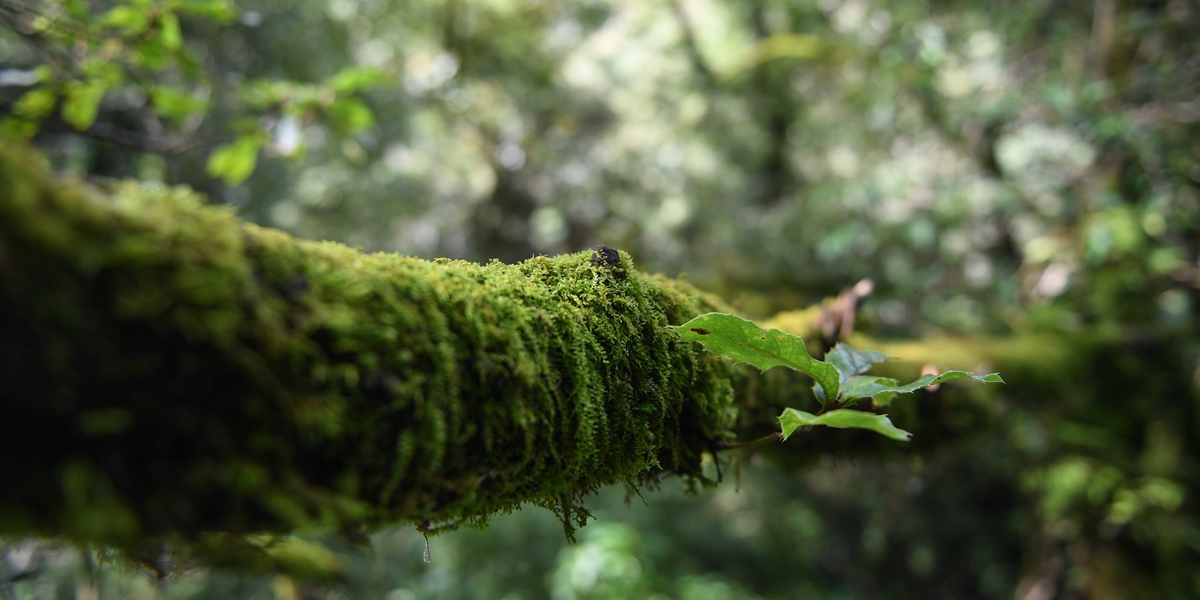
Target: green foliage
x=839, y=378
x=235, y=161
x=138, y=47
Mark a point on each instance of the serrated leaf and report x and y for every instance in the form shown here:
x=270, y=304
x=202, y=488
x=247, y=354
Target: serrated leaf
x=234, y=162
x=81, y=103
x=792, y=419
x=850, y=361
x=742, y=341
x=883, y=389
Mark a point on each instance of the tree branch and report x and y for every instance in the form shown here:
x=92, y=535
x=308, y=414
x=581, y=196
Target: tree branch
x=165, y=369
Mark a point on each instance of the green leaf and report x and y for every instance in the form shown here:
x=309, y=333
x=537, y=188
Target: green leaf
x=132, y=20
x=882, y=389
x=356, y=79
x=792, y=419
x=36, y=103
x=78, y=8
x=221, y=11
x=176, y=104
x=261, y=93
x=742, y=341
x=234, y=162
x=82, y=103
x=351, y=115
x=170, y=34
x=150, y=55
x=850, y=362
x=18, y=127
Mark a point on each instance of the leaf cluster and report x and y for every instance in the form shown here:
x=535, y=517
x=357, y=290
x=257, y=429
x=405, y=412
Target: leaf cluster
x=840, y=379
x=137, y=49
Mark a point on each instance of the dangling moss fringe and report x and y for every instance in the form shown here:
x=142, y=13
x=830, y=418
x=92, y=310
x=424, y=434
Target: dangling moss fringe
x=168, y=370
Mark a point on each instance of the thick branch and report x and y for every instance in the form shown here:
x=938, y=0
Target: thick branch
x=165, y=369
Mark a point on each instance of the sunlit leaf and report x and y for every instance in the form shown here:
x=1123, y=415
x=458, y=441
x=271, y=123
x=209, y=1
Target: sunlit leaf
x=356, y=79
x=81, y=103
x=170, y=34
x=130, y=19
x=736, y=338
x=351, y=115
x=234, y=162
x=176, y=104
x=792, y=419
x=36, y=103
x=221, y=11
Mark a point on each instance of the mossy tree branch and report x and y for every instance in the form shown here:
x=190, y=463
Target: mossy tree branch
x=165, y=369
x=168, y=371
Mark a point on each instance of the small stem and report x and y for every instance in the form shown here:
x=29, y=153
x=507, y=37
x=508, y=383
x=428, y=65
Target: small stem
x=828, y=406
x=752, y=443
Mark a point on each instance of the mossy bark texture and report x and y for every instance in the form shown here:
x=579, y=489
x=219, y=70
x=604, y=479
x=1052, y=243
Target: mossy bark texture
x=166, y=369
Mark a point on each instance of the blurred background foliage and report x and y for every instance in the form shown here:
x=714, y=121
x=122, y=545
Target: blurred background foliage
x=998, y=168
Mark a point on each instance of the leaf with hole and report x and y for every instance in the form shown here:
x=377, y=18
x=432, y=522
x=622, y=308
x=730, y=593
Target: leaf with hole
x=738, y=339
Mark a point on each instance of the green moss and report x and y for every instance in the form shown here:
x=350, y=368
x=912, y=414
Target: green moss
x=181, y=372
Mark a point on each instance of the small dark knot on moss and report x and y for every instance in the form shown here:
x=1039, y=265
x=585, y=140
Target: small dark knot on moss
x=606, y=256
x=295, y=287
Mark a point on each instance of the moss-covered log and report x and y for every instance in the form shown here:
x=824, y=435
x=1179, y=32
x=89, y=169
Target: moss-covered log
x=165, y=369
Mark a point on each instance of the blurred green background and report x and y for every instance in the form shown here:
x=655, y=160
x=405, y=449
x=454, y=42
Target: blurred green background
x=997, y=168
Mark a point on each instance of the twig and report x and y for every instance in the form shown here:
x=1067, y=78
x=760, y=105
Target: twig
x=751, y=444
x=689, y=38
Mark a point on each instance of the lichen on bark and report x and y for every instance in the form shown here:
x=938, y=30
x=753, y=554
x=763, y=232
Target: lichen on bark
x=168, y=370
